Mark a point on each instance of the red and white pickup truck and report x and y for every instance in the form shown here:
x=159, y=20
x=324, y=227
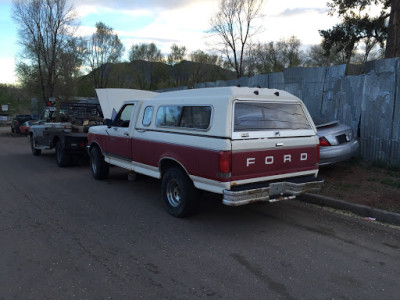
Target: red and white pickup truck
x=247, y=144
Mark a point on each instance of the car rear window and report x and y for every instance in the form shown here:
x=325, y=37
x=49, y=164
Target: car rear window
x=261, y=116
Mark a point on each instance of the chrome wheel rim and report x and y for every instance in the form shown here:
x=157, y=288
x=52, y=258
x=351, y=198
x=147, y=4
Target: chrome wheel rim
x=174, y=193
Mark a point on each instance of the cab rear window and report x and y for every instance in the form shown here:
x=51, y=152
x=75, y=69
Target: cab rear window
x=258, y=116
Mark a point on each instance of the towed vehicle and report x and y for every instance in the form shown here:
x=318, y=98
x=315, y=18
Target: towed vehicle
x=17, y=122
x=25, y=127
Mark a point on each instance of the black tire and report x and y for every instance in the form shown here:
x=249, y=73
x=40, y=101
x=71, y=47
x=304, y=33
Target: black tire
x=100, y=168
x=178, y=193
x=63, y=158
x=35, y=151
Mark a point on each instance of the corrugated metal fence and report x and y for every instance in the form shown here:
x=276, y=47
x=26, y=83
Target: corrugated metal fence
x=369, y=102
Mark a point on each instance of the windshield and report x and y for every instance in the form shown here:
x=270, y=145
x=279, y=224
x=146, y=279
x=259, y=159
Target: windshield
x=257, y=116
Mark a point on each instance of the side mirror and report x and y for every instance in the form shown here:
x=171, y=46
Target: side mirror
x=108, y=123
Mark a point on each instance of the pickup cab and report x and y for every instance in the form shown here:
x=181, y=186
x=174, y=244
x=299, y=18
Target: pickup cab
x=246, y=144
x=65, y=129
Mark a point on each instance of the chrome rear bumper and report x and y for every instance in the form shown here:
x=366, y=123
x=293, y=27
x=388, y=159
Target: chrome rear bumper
x=272, y=192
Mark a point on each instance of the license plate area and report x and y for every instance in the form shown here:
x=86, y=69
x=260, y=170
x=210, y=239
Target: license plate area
x=277, y=189
x=342, y=139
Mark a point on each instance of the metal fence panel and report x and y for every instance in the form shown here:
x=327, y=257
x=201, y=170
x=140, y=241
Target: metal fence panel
x=378, y=98
x=369, y=102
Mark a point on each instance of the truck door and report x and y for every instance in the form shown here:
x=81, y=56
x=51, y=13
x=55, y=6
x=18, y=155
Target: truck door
x=118, y=141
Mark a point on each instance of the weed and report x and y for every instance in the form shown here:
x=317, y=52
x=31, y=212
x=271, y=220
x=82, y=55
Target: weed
x=393, y=174
x=379, y=164
x=373, y=179
x=348, y=186
x=395, y=168
x=391, y=182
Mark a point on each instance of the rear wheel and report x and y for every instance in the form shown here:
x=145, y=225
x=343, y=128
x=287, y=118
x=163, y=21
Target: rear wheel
x=35, y=151
x=63, y=158
x=179, y=193
x=100, y=168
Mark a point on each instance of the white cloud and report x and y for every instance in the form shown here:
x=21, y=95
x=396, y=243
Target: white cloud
x=289, y=12
x=302, y=19
x=7, y=75
x=139, y=5
x=184, y=26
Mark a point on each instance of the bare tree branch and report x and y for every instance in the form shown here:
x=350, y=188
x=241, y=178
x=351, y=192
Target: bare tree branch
x=233, y=25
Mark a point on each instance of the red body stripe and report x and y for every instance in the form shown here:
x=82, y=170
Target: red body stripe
x=204, y=163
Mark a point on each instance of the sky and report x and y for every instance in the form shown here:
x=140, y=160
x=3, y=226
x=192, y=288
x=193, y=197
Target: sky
x=167, y=22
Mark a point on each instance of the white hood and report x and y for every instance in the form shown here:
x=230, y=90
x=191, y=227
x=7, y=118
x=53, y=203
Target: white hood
x=112, y=99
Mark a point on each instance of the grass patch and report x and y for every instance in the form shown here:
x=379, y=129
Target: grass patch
x=348, y=186
x=373, y=179
x=391, y=182
x=379, y=164
x=395, y=168
x=393, y=174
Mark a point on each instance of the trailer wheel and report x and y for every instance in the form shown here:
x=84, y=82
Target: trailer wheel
x=179, y=193
x=63, y=158
x=100, y=168
x=35, y=151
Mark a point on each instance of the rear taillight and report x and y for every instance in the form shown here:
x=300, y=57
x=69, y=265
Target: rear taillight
x=323, y=142
x=224, y=163
x=318, y=154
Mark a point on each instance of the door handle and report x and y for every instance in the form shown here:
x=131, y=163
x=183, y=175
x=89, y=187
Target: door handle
x=126, y=133
x=279, y=144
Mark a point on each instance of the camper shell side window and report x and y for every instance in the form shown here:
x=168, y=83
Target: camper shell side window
x=179, y=116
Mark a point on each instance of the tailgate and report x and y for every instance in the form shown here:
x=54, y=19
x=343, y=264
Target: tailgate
x=272, y=140
x=274, y=159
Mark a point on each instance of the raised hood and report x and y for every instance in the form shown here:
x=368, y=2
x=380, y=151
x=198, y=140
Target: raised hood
x=112, y=99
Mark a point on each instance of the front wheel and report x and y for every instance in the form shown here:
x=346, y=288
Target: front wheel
x=63, y=158
x=35, y=151
x=179, y=193
x=100, y=168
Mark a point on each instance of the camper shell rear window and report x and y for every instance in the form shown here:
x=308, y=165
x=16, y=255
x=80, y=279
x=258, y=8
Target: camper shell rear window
x=265, y=116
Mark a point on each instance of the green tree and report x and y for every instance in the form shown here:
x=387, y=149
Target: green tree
x=357, y=27
x=275, y=56
x=148, y=58
x=202, y=66
x=177, y=54
x=103, y=48
x=233, y=25
x=44, y=33
x=202, y=57
x=71, y=60
x=316, y=57
x=146, y=52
